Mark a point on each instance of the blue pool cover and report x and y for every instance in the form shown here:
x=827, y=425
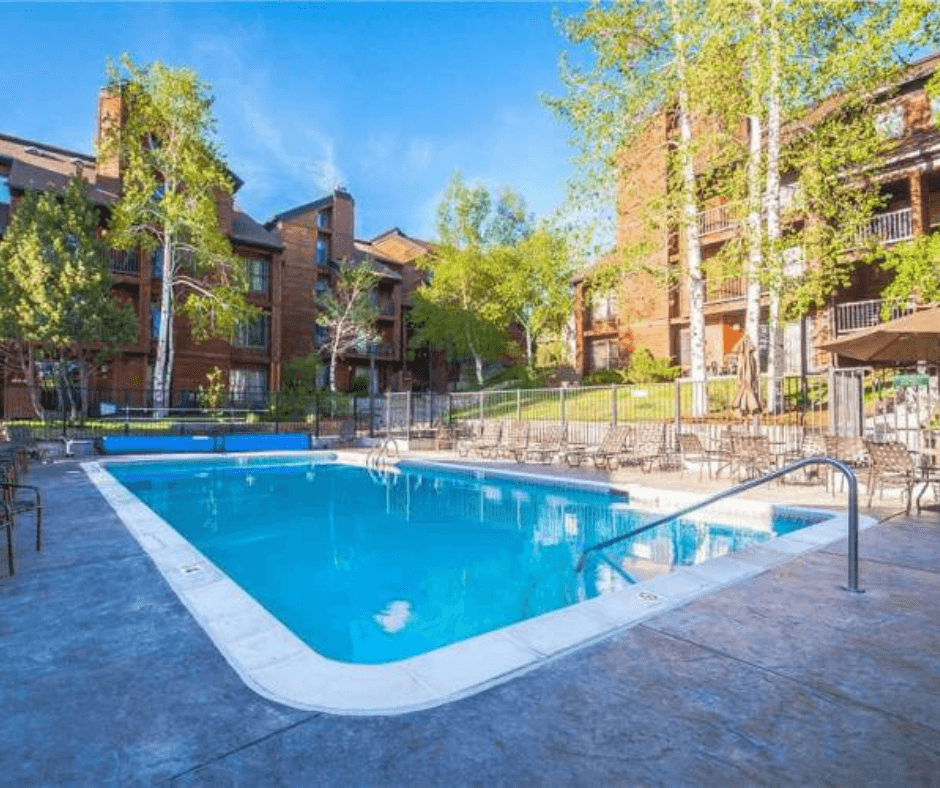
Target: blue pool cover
x=168, y=444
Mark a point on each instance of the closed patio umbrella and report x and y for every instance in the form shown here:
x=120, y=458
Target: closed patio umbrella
x=747, y=398
x=915, y=337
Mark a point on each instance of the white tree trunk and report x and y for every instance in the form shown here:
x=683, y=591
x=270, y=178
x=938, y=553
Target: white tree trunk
x=775, y=351
x=754, y=225
x=693, y=248
x=163, y=364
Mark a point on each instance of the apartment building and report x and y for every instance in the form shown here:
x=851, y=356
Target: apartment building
x=316, y=237
x=251, y=360
x=646, y=312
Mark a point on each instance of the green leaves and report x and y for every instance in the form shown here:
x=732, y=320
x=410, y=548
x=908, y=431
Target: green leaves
x=54, y=278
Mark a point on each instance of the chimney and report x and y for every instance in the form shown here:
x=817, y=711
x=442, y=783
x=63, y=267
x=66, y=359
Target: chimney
x=110, y=112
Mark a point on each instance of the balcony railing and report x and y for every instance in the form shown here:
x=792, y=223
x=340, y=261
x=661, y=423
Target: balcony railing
x=889, y=227
x=859, y=315
x=725, y=289
x=718, y=218
x=378, y=349
x=123, y=262
x=386, y=309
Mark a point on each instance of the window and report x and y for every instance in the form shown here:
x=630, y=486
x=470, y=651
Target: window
x=604, y=307
x=156, y=262
x=321, y=286
x=323, y=251
x=248, y=387
x=255, y=333
x=259, y=275
x=794, y=262
x=4, y=189
x=323, y=220
x=321, y=335
x=603, y=354
x=890, y=122
x=154, y=319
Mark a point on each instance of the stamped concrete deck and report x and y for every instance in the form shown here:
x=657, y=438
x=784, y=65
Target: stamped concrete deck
x=782, y=679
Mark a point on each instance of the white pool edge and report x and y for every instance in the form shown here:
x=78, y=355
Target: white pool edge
x=276, y=664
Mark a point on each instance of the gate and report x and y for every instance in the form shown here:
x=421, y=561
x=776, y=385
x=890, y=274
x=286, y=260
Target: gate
x=846, y=408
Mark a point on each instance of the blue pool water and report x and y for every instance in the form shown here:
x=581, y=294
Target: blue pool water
x=368, y=568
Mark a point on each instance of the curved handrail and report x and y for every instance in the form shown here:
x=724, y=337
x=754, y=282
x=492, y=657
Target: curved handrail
x=750, y=484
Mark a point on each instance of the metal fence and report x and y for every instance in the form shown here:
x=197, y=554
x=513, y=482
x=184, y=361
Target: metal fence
x=838, y=402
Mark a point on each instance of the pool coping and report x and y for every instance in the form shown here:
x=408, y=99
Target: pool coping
x=276, y=664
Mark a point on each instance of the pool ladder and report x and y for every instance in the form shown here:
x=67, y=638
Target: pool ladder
x=847, y=472
x=379, y=456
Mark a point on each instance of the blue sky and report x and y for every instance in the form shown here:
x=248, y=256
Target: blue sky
x=386, y=98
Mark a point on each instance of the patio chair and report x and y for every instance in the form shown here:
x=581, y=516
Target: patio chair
x=890, y=463
x=514, y=441
x=604, y=454
x=552, y=445
x=692, y=452
x=814, y=445
x=647, y=446
x=19, y=499
x=23, y=438
x=753, y=455
x=347, y=435
x=484, y=443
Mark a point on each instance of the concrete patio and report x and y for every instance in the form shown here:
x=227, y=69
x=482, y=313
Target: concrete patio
x=783, y=679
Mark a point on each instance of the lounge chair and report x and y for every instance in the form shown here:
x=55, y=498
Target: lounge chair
x=891, y=463
x=692, y=452
x=347, y=435
x=514, y=442
x=603, y=455
x=552, y=445
x=487, y=441
x=646, y=447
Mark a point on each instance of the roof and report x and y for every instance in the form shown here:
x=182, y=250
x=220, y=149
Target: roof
x=397, y=246
x=249, y=231
x=25, y=175
x=49, y=168
x=300, y=210
x=380, y=264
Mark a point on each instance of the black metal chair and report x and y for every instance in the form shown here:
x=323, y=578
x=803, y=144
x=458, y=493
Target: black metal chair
x=17, y=499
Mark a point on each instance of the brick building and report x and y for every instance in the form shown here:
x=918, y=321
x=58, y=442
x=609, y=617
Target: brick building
x=251, y=359
x=290, y=258
x=645, y=312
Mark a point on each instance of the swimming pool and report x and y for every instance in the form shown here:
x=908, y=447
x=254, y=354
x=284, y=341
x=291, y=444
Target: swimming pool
x=398, y=573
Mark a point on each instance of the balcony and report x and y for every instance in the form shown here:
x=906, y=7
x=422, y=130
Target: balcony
x=385, y=308
x=718, y=218
x=377, y=349
x=730, y=289
x=123, y=263
x=859, y=315
x=888, y=227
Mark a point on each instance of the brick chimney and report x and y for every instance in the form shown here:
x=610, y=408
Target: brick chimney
x=110, y=112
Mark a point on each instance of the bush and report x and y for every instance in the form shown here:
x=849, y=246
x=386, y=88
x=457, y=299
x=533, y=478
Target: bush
x=518, y=376
x=603, y=377
x=643, y=368
x=359, y=386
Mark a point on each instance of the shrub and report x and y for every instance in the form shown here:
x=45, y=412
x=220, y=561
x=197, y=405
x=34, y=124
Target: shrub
x=643, y=368
x=603, y=377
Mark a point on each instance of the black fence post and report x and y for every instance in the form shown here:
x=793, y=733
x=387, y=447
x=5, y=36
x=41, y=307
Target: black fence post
x=355, y=413
x=127, y=414
x=316, y=417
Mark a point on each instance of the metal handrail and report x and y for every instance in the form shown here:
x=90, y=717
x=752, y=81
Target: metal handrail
x=750, y=484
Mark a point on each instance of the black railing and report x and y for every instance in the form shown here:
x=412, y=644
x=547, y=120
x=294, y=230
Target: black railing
x=123, y=262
